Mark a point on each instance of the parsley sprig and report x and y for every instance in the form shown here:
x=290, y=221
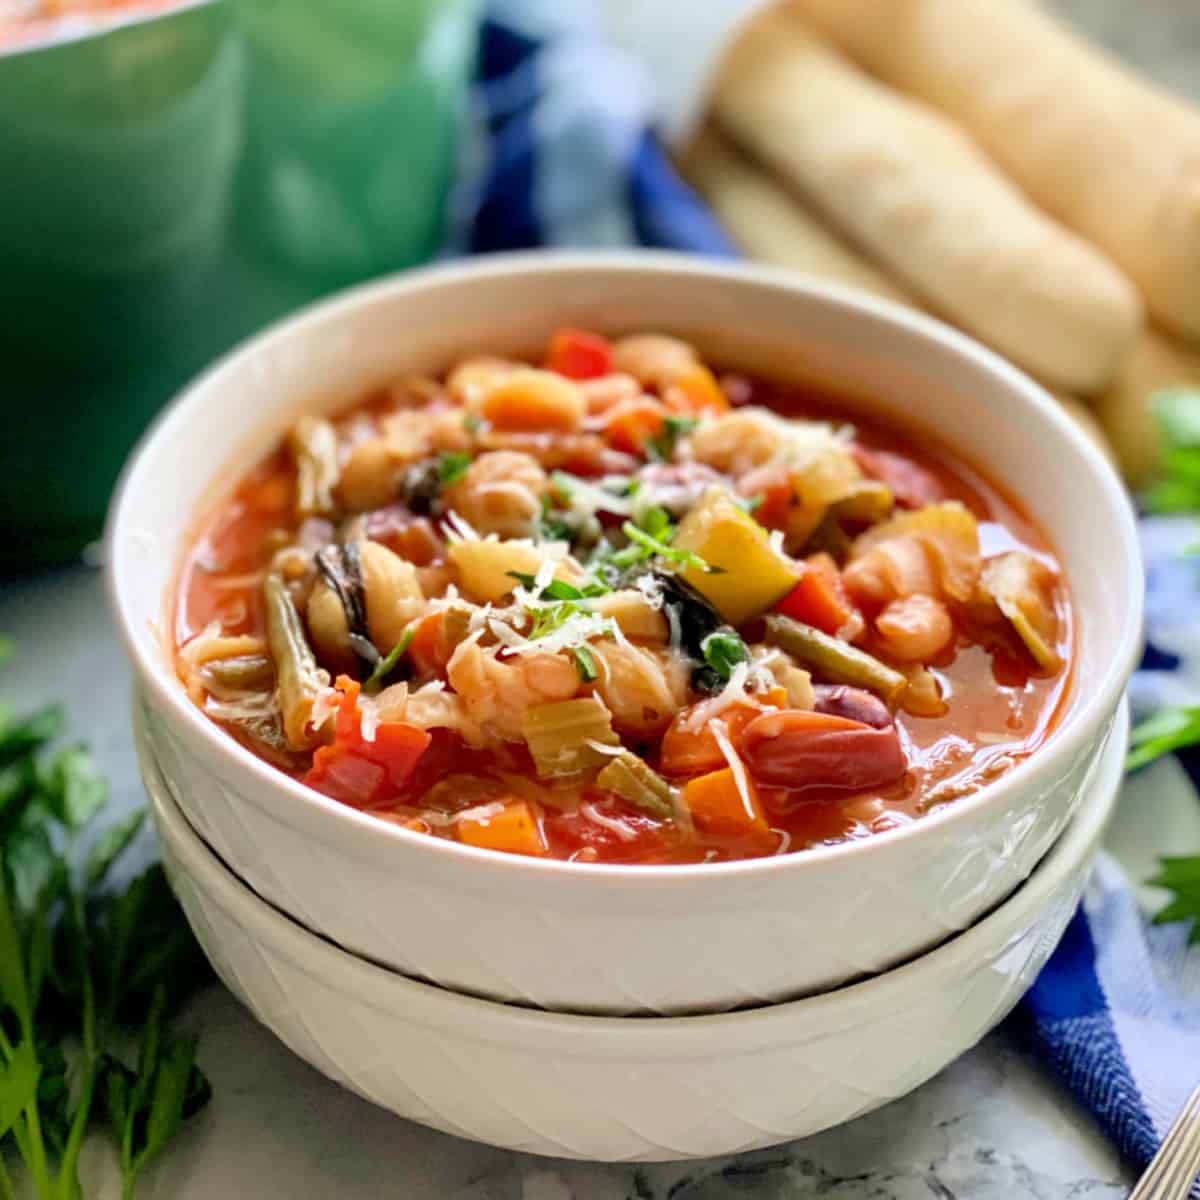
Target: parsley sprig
x=1177, y=414
x=85, y=960
x=1182, y=877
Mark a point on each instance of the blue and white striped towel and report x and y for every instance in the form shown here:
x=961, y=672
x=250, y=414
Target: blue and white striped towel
x=561, y=153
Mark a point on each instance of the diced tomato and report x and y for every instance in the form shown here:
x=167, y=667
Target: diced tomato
x=912, y=485
x=774, y=486
x=578, y=354
x=719, y=804
x=690, y=751
x=359, y=771
x=628, y=426
x=819, y=598
x=693, y=391
x=343, y=775
x=514, y=829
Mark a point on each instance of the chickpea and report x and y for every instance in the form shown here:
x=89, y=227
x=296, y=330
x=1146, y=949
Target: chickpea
x=652, y=358
x=369, y=477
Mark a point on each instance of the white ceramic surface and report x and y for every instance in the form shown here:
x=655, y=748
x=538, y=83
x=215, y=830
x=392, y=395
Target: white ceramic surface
x=627, y=1088
x=612, y=939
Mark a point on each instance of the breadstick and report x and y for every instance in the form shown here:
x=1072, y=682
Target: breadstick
x=1108, y=154
x=909, y=187
x=769, y=224
x=1125, y=410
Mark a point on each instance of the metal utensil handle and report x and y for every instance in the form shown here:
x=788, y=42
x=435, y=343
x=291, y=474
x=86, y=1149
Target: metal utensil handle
x=1173, y=1170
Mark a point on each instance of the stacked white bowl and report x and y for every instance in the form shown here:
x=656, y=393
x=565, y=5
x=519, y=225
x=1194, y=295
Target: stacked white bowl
x=664, y=1011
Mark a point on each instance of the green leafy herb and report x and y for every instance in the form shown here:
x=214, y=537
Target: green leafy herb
x=84, y=961
x=1167, y=730
x=551, y=527
x=750, y=503
x=722, y=651
x=1182, y=877
x=472, y=422
x=654, y=546
x=452, y=466
x=385, y=666
x=585, y=662
x=662, y=448
x=1177, y=413
x=560, y=589
x=656, y=521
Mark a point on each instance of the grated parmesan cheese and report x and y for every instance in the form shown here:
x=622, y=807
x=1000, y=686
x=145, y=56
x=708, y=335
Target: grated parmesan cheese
x=368, y=717
x=457, y=529
x=622, y=829
x=721, y=734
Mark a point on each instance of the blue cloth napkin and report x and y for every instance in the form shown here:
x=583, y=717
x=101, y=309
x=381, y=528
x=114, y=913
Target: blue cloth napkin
x=561, y=153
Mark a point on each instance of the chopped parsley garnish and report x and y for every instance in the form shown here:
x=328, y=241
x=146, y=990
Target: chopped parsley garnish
x=662, y=448
x=585, y=662
x=652, y=546
x=551, y=527
x=385, y=666
x=722, y=651
x=452, y=466
x=560, y=589
x=656, y=521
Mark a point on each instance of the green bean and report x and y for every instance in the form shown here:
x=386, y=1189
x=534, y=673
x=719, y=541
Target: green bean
x=230, y=678
x=630, y=778
x=299, y=681
x=833, y=659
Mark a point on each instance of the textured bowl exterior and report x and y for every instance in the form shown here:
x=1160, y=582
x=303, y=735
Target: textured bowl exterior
x=608, y=939
x=623, y=1089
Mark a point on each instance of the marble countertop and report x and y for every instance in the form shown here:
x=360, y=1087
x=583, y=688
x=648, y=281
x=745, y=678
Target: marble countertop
x=994, y=1124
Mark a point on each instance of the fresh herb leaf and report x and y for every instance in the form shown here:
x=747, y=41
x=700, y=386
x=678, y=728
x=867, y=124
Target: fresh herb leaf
x=78, y=961
x=452, y=466
x=750, y=504
x=662, y=448
x=722, y=651
x=1167, y=730
x=472, y=422
x=585, y=663
x=652, y=547
x=386, y=665
x=111, y=844
x=656, y=521
x=1180, y=876
x=1177, y=414
x=552, y=528
x=559, y=589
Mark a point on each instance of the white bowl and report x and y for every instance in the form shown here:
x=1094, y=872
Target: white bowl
x=590, y=938
x=625, y=1088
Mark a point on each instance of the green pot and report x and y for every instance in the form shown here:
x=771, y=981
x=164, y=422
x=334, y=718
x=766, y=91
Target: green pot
x=175, y=183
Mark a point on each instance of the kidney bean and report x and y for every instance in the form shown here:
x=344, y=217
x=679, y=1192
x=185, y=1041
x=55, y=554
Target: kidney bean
x=795, y=749
x=855, y=704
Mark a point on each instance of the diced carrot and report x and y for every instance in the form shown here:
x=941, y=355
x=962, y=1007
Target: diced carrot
x=778, y=696
x=693, y=391
x=691, y=751
x=774, y=487
x=631, y=424
x=717, y=804
x=578, y=354
x=514, y=829
x=819, y=598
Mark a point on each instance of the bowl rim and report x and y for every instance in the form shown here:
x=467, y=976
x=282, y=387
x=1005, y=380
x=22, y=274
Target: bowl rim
x=1070, y=854
x=1067, y=739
